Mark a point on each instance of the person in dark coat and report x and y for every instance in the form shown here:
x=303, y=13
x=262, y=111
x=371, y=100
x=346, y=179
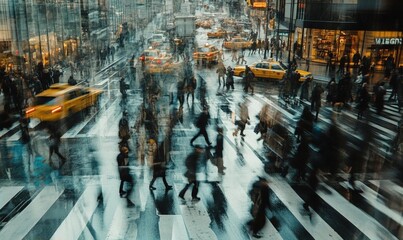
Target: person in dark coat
x=316, y=99
x=249, y=76
x=124, y=174
x=380, y=92
x=191, y=88
x=301, y=158
x=394, y=84
x=192, y=162
x=218, y=155
x=331, y=91
x=230, y=78
x=312, y=199
x=342, y=66
x=72, y=81
x=356, y=59
x=180, y=93
x=363, y=100
x=54, y=143
x=159, y=167
x=202, y=123
x=259, y=194
x=124, y=130
x=304, y=124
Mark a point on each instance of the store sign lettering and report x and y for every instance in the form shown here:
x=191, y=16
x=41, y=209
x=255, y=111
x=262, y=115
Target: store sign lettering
x=388, y=41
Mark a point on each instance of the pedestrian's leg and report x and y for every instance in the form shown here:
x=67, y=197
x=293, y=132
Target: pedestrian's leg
x=196, y=136
x=152, y=183
x=121, y=192
x=195, y=190
x=183, y=191
x=167, y=186
x=205, y=135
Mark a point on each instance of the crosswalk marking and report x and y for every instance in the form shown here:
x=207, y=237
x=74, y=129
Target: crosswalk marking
x=7, y=193
x=21, y=224
x=172, y=227
x=196, y=218
x=294, y=203
x=76, y=221
x=373, y=198
x=366, y=224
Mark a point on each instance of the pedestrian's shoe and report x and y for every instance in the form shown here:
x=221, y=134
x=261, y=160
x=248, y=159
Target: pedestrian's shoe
x=255, y=235
x=196, y=199
x=182, y=196
x=122, y=193
x=152, y=188
x=130, y=203
x=243, y=135
x=168, y=187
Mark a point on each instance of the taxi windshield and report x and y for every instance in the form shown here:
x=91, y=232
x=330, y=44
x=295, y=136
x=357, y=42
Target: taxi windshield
x=203, y=49
x=46, y=100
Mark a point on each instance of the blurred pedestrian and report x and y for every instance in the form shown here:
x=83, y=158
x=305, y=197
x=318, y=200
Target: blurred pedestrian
x=244, y=119
x=124, y=130
x=331, y=91
x=356, y=59
x=221, y=73
x=259, y=195
x=248, y=78
x=363, y=100
x=394, y=84
x=234, y=55
x=230, y=78
x=301, y=158
x=180, y=93
x=218, y=154
x=264, y=122
x=316, y=99
x=71, y=80
x=380, y=92
x=151, y=152
x=191, y=87
x=54, y=144
x=304, y=125
x=124, y=174
x=192, y=162
x=201, y=123
x=159, y=168
x=241, y=56
x=312, y=200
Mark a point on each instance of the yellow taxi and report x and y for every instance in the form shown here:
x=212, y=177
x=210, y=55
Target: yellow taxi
x=149, y=54
x=163, y=65
x=62, y=100
x=206, y=54
x=270, y=69
x=204, y=23
x=237, y=43
x=218, y=33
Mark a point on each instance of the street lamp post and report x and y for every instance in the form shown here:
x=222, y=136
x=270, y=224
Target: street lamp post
x=266, y=45
x=290, y=26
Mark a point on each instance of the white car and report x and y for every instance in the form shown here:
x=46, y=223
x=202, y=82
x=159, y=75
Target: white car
x=157, y=38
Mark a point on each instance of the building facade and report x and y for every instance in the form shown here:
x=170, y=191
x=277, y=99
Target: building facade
x=344, y=27
x=54, y=31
